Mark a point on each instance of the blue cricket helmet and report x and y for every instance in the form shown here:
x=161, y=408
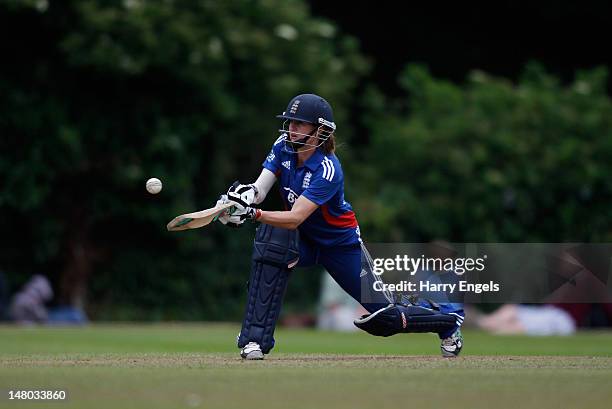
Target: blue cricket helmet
x=310, y=108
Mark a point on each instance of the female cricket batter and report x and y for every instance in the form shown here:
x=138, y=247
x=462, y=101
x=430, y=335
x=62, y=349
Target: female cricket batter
x=311, y=180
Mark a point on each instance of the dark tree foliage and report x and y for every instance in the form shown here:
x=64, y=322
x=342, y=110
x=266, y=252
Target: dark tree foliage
x=97, y=96
x=490, y=160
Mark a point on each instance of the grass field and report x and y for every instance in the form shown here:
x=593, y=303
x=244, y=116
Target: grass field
x=176, y=366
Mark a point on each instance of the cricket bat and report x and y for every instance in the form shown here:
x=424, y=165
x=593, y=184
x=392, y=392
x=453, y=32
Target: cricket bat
x=197, y=219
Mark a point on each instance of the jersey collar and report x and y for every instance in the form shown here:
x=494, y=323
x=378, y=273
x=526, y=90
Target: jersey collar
x=313, y=162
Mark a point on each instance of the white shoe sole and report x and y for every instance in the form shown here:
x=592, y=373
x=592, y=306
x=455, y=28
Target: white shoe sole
x=446, y=354
x=253, y=356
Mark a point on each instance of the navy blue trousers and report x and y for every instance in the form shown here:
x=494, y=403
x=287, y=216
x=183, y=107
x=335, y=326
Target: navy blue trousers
x=349, y=267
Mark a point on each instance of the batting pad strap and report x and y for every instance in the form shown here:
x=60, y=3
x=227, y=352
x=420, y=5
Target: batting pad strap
x=397, y=318
x=275, y=252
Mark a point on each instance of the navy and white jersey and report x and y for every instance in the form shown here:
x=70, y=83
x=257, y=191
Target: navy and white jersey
x=321, y=181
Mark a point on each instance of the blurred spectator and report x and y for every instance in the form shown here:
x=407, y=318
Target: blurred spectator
x=28, y=307
x=546, y=319
x=529, y=320
x=337, y=309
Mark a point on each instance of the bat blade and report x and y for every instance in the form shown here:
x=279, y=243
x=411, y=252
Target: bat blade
x=197, y=219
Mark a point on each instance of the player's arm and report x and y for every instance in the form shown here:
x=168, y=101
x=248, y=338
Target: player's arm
x=255, y=193
x=263, y=184
x=290, y=219
x=247, y=195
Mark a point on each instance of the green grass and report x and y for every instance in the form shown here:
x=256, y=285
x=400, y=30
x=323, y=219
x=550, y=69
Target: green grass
x=174, y=366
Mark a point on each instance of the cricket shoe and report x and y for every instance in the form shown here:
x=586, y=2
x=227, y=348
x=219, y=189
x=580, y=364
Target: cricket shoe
x=251, y=351
x=451, y=346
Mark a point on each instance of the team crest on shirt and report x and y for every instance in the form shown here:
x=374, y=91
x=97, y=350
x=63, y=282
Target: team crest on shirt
x=306, y=181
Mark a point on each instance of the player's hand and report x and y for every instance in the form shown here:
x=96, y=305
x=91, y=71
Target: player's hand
x=225, y=216
x=222, y=200
x=242, y=194
x=236, y=215
x=242, y=214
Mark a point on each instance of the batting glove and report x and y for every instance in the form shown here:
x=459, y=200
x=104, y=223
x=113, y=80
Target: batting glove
x=241, y=214
x=243, y=194
x=236, y=215
x=225, y=216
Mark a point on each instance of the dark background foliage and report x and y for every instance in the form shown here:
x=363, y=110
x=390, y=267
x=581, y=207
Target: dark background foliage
x=469, y=125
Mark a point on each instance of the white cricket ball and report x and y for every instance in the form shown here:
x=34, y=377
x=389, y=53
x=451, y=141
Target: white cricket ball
x=154, y=186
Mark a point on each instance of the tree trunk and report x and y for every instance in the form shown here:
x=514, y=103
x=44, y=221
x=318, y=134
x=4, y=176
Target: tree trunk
x=80, y=256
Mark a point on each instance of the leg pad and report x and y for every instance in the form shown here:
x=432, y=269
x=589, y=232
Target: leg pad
x=396, y=318
x=275, y=253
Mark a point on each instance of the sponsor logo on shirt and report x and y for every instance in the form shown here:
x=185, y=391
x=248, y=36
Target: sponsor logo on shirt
x=291, y=195
x=287, y=164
